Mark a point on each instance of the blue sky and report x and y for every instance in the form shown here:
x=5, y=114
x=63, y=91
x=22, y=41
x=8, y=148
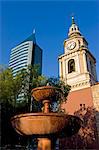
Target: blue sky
x=51, y=20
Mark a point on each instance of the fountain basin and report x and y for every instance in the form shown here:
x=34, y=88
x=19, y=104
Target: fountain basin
x=44, y=93
x=39, y=124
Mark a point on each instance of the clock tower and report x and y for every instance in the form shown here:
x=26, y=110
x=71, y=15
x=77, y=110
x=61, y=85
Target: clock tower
x=77, y=66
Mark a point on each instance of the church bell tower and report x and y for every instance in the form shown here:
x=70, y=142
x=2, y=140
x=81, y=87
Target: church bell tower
x=77, y=66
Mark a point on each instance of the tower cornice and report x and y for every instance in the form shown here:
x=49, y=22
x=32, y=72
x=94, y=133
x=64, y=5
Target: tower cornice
x=81, y=49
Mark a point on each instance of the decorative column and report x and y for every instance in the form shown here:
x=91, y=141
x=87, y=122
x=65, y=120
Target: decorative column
x=60, y=69
x=84, y=62
x=64, y=69
x=78, y=64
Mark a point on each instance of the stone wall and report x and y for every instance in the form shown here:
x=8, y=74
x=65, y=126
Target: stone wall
x=95, y=94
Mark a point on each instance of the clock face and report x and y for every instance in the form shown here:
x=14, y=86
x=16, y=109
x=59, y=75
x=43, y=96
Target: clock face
x=71, y=45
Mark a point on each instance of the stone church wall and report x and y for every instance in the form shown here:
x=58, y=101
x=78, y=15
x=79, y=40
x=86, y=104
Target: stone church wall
x=95, y=94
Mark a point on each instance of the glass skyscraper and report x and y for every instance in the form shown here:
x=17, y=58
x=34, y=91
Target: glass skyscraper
x=24, y=54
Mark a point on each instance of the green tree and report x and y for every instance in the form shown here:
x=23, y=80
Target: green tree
x=62, y=91
x=9, y=86
x=23, y=82
x=9, y=89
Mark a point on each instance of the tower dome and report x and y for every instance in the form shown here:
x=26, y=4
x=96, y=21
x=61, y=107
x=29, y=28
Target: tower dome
x=73, y=30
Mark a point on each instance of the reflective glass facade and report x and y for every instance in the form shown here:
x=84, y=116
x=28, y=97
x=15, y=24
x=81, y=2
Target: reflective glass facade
x=26, y=53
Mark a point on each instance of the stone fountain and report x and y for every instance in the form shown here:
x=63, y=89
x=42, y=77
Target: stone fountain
x=45, y=125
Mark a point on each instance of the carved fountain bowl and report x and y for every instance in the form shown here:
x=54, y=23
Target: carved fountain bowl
x=44, y=93
x=39, y=124
x=45, y=124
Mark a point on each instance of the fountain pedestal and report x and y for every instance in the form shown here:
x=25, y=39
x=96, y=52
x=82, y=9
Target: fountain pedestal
x=46, y=108
x=44, y=144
